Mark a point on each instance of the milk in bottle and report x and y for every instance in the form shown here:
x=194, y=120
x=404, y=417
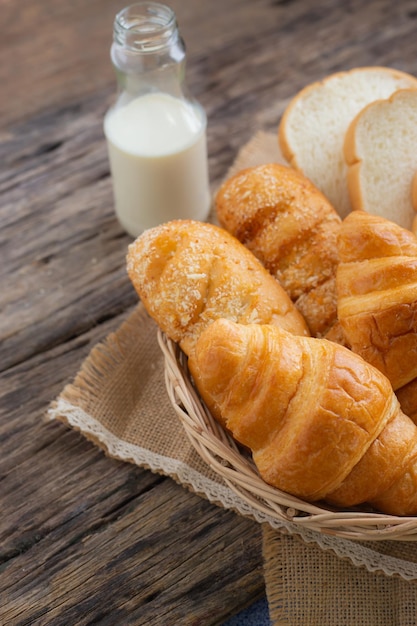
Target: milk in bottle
x=156, y=134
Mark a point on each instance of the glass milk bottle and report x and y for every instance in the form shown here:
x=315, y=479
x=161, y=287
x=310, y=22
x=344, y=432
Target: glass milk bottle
x=156, y=134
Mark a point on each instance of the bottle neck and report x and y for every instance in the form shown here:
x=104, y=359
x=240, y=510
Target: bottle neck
x=147, y=51
x=145, y=27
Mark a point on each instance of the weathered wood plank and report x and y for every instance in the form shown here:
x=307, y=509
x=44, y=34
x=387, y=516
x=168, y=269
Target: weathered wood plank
x=58, y=491
x=108, y=547
x=85, y=539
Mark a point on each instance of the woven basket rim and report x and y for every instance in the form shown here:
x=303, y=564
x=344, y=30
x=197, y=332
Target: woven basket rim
x=222, y=455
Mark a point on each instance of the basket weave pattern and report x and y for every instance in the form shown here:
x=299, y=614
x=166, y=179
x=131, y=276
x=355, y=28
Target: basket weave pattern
x=220, y=452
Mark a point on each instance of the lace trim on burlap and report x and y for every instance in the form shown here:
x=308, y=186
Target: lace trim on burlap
x=361, y=554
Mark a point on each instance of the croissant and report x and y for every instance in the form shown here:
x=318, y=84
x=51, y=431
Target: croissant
x=322, y=423
x=189, y=273
x=377, y=294
x=292, y=228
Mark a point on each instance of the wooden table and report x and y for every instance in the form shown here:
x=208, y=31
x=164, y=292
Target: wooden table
x=85, y=539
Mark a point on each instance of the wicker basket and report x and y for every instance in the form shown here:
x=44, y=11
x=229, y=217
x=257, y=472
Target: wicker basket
x=238, y=471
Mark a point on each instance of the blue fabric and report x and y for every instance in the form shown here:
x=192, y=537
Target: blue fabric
x=255, y=615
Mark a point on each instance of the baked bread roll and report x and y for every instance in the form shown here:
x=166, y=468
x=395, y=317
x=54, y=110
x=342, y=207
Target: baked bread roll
x=407, y=397
x=377, y=294
x=312, y=130
x=322, y=424
x=189, y=273
x=380, y=150
x=292, y=229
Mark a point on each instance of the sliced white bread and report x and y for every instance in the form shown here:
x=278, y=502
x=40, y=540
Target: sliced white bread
x=312, y=130
x=381, y=153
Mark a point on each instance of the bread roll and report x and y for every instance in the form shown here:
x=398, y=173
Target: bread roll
x=377, y=294
x=190, y=273
x=292, y=229
x=407, y=397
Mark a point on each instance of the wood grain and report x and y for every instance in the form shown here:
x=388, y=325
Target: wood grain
x=85, y=539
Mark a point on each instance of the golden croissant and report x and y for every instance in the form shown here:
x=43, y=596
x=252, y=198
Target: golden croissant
x=292, y=228
x=377, y=294
x=189, y=273
x=321, y=422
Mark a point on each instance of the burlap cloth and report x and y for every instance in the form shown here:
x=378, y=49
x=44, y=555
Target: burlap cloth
x=118, y=401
